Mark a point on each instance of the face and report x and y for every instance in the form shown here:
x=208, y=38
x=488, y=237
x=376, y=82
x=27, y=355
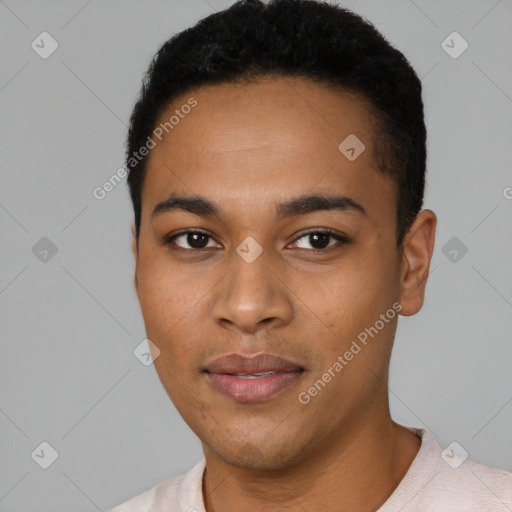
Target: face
x=295, y=256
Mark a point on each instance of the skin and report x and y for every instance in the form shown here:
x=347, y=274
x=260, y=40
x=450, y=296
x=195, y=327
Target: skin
x=248, y=147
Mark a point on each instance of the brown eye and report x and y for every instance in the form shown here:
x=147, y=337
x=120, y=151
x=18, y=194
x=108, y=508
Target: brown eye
x=319, y=240
x=189, y=240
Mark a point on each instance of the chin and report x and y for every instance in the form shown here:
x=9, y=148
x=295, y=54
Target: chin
x=259, y=455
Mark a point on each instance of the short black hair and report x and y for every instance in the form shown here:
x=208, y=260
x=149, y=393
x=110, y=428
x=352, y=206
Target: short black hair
x=309, y=39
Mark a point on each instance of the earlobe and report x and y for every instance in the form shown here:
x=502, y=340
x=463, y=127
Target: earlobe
x=416, y=256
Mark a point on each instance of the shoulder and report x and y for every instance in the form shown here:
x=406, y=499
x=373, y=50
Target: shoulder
x=471, y=487
x=145, y=501
x=444, y=480
x=486, y=487
x=169, y=495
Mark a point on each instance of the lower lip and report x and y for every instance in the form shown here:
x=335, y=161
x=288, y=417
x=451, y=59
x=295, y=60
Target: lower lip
x=253, y=390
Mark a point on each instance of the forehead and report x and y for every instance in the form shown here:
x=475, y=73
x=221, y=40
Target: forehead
x=248, y=144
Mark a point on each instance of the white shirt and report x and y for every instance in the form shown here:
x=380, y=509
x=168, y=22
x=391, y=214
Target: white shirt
x=430, y=485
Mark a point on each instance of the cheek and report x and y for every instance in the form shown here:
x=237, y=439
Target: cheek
x=171, y=303
x=344, y=294
x=162, y=293
x=339, y=306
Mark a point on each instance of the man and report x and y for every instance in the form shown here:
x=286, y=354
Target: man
x=277, y=162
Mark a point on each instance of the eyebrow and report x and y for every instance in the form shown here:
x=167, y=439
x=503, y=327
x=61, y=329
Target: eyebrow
x=301, y=205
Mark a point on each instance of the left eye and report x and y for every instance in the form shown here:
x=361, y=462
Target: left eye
x=319, y=239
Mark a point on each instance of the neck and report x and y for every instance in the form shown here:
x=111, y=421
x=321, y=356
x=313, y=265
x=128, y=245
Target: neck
x=357, y=470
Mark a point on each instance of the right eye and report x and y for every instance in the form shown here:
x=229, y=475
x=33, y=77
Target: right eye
x=195, y=238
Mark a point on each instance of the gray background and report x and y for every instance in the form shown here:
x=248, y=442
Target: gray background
x=69, y=324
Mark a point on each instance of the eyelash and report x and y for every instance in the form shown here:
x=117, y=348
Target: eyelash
x=342, y=239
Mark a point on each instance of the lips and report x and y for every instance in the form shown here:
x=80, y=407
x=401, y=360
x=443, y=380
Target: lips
x=252, y=378
x=260, y=363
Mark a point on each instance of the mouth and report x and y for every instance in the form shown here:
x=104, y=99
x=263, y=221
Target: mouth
x=252, y=378
x=251, y=375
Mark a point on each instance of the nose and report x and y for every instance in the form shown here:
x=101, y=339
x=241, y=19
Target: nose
x=252, y=296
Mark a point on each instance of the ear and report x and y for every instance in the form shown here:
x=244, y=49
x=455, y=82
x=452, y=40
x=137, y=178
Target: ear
x=417, y=252
x=135, y=252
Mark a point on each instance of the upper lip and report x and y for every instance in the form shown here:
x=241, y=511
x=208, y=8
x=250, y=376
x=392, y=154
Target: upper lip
x=258, y=363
